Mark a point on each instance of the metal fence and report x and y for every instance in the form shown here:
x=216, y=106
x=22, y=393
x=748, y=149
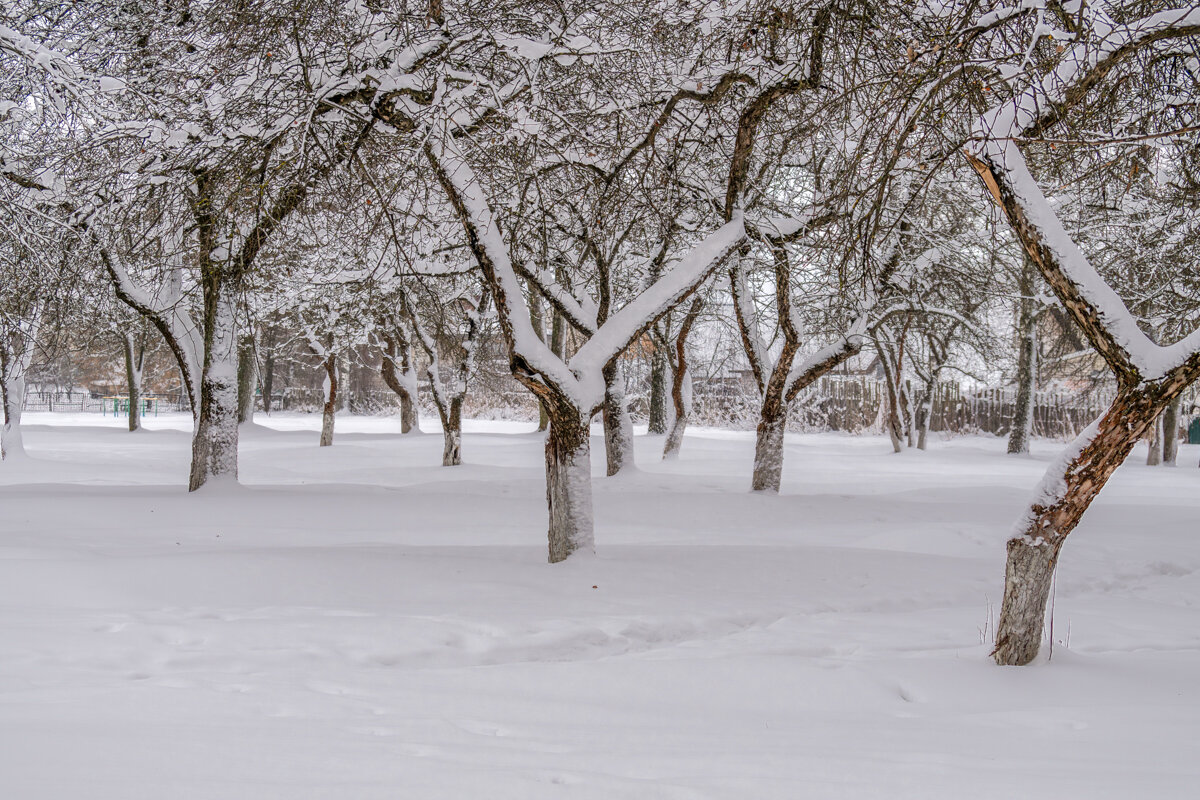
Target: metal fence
x=81, y=402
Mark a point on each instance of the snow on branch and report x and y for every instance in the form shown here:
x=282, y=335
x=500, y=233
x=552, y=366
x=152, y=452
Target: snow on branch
x=623, y=327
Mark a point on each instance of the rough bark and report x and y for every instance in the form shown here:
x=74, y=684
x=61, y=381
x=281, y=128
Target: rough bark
x=1028, y=576
x=246, y=379
x=618, y=427
x=768, y=449
x=1170, y=424
x=329, y=410
x=568, y=484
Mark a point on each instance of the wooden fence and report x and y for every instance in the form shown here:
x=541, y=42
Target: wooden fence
x=858, y=404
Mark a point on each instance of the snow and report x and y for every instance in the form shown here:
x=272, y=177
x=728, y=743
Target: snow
x=358, y=622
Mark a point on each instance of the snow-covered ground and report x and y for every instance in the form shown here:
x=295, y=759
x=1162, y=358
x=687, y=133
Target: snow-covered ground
x=358, y=622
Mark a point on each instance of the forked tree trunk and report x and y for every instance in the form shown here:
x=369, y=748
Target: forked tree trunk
x=452, y=433
x=1022, y=426
x=618, y=427
x=658, y=391
x=402, y=382
x=569, y=483
x=215, y=442
x=247, y=379
x=1170, y=424
x=1069, y=486
x=330, y=387
x=133, y=380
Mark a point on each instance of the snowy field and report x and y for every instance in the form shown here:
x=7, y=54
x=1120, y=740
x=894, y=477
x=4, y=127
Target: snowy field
x=358, y=622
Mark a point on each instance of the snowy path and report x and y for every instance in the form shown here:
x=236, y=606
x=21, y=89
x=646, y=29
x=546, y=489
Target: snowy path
x=357, y=622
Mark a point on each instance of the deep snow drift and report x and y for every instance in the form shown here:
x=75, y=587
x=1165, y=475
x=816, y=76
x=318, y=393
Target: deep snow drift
x=359, y=622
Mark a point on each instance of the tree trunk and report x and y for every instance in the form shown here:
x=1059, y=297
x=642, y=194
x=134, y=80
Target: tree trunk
x=348, y=390
x=247, y=379
x=215, y=442
x=768, y=447
x=681, y=400
x=1170, y=424
x=410, y=420
x=268, y=379
x=924, y=416
x=133, y=380
x=618, y=427
x=452, y=433
x=681, y=382
x=1155, y=450
x=11, y=443
x=908, y=414
x=557, y=346
x=569, y=484
x=658, y=390
x=1022, y=426
x=1068, y=488
x=402, y=382
x=1028, y=576
x=330, y=388
x=13, y=367
x=892, y=421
